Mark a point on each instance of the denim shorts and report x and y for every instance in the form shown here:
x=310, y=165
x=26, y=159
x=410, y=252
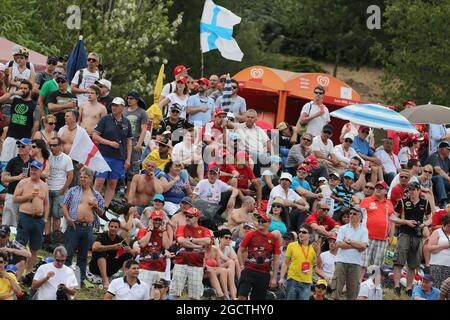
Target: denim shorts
x=117, y=169
x=30, y=229
x=56, y=204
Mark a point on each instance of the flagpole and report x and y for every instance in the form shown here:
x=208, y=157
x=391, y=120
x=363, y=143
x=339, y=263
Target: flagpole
x=202, y=63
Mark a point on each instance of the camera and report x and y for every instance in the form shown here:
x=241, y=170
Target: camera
x=61, y=295
x=155, y=255
x=259, y=260
x=417, y=229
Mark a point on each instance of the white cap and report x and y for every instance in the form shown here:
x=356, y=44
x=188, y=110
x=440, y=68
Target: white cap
x=16, y=49
x=349, y=135
x=322, y=179
x=104, y=82
x=118, y=100
x=286, y=175
x=2, y=67
x=166, y=132
x=230, y=115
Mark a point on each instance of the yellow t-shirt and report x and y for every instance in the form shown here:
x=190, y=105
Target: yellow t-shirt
x=5, y=286
x=298, y=257
x=154, y=156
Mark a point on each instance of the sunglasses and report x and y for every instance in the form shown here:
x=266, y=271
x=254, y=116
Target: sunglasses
x=302, y=171
x=404, y=177
x=348, y=140
x=223, y=80
x=365, y=131
x=22, y=146
x=285, y=180
x=318, y=92
x=53, y=145
x=227, y=237
x=233, y=87
x=379, y=188
x=354, y=213
x=429, y=172
x=212, y=172
x=189, y=217
x=91, y=60
x=51, y=123
x=303, y=232
x=34, y=147
x=157, y=220
x=52, y=62
x=324, y=209
x=371, y=188
x=276, y=206
x=57, y=72
x=158, y=286
x=175, y=111
x=333, y=178
x=308, y=140
x=262, y=221
x=61, y=81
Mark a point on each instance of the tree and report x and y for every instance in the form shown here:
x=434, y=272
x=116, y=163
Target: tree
x=417, y=68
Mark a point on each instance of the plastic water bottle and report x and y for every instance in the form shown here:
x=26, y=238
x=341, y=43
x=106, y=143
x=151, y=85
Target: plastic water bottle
x=77, y=271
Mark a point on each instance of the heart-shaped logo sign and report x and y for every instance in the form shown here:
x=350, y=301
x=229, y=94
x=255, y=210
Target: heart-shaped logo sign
x=324, y=81
x=257, y=73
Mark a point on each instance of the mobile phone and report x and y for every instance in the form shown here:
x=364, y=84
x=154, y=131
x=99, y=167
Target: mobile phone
x=124, y=244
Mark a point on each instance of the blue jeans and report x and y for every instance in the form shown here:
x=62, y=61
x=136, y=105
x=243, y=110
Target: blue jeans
x=78, y=240
x=297, y=290
x=284, y=152
x=388, y=177
x=441, y=187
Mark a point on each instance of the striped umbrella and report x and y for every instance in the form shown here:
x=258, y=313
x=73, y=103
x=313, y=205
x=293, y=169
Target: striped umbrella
x=226, y=97
x=375, y=116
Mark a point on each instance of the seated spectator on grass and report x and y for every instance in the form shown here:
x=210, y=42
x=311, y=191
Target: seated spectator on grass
x=224, y=161
x=8, y=282
x=320, y=289
x=410, y=149
x=243, y=214
x=162, y=155
x=371, y=289
x=425, y=291
x=232, y=263
x=415, y=169
x=445, y=290
x=158, y=204
x=16, y=253
x=426, y=185
x=129, y=223
x=398, y=191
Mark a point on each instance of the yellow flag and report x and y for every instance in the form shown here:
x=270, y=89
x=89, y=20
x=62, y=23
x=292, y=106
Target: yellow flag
x=154, y=112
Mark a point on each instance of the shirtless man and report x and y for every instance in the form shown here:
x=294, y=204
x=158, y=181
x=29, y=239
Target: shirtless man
x=91, y=111
x=143, y=187
x=179, y=218
x=243, y=214
x=32, y=196
x=82, y=205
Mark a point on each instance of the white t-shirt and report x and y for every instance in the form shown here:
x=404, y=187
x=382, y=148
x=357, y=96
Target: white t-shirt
x=254, y=139
x=328, y=261
x=325, y=149
x=174, y=98
x=63, y=275
x=370, y=291
x=390, y=165
x=278, y=191
x=211, y=192
x=166, y=89
x=89, y=79
x=121, y=290
x=315, y=126
x=18, y=75
x=59, y=167
x=326, y=193
x=186, y=152
x=344, y=156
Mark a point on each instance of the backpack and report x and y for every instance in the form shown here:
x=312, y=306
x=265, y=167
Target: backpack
x=301, y=128
x=10, y=64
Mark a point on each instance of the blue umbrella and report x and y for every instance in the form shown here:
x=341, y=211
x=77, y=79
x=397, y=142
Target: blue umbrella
x=77, y=59
x=375, y=116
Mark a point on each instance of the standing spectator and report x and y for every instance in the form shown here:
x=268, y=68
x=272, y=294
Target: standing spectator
x=377, y=214
x=326, y=262
x=178, y=71
x=24, y=119
x=315, y=114
x=49, y=124
x=8, y=282
x=47, y=74
x=389, y=160
x=238, y=105
x=114, y=137
x=91, y=111
x=259, y=250
x=439, y=246
x=15, y=252
x=32, y=196
x=55, y=281
x=84, y=78
x=151, y=245
x=179, y=96
x=60, y=101
x=213, y=85
x=441, y=179
x=200, y=107
x=109, y=252
x=322, y=148
x=49, y=87
x=81, y=207
x=129, y=287
x=398, y=192
x=371, y=288
x=188, y=268
x=425, y=291
x=174, y=124
x=299, y=152
x=20, y=71
x=351, y=242
x=16, y=170
x=105, y=97
x=412, y=211
x=136, y=115
x=300, y=258
x=59, y=180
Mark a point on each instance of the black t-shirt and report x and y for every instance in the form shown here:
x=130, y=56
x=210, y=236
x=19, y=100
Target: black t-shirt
x=58, y=97
x=105, y=240
x=106, y=101
x=412, y=212
x=119, y=131
x=15, y=167
x=172, y=127
x=23, y=115
x=436, y=160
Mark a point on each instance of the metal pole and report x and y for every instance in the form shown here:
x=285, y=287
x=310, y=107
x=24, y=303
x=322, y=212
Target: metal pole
x=202, y=66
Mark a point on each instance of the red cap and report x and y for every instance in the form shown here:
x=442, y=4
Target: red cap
x=381, y=183
x=263, y=215
x=242, y=154
x=413, y=138
x=204, y=80
x=303, y=166
x=409, y=104
x=219, y=111
x=312, y=161
x=182, y=79
x=194, y=211
x=179, y=69
x=157, y=214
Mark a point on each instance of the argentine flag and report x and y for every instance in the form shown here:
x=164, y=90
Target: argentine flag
x=216, y=31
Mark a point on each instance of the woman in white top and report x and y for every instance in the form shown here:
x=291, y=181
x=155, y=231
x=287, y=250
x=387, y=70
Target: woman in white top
x=180, y=96
x=439, y=246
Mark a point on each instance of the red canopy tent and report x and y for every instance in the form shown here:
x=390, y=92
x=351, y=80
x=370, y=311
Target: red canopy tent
x=6, y=48
x=279, y=95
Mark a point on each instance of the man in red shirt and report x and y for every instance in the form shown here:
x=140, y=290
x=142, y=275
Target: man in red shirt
x=247, y=182
x=378, y=211
x=436, y=219
x=228, y=172
x=398, y=191
x=151, y=245
x=321, y=222
x=259, y=250
x=214, y=131
x=188, y=268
